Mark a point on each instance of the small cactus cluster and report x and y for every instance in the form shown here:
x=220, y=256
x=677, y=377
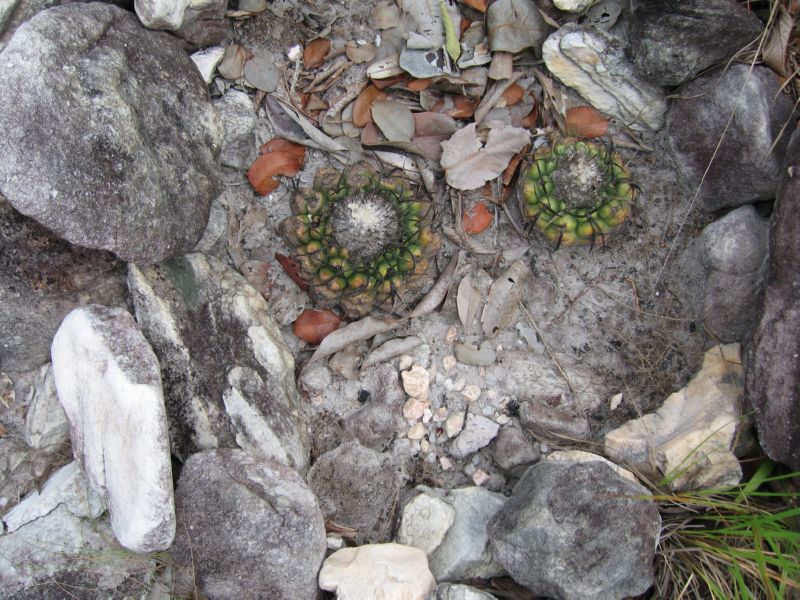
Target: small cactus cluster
x=577, y=192
x=361, y=241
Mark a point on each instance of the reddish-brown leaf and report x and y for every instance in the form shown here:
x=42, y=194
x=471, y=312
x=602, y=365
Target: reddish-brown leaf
x=488, y=193
x=382, y=84
x=463, y=108
x=417, y=85
x=465, y=23
x=585, y=122
x=315, y=53
x=292, y=269
x=513, y=94
x=313, y=325
x=479, y=5
x=280, y=162
x=362, y=108
x=477, y=218
x=530, y=119
x=508, y=174
x=281, y=144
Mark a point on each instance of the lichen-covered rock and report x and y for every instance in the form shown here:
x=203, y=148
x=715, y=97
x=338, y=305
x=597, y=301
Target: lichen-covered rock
x=747, y=165
x=673, y=42
x=228, y=374
x=109, y=384
x=249, y=528
x=107, y=135
x=42, y=278
x=772, y=383
x=577, y=530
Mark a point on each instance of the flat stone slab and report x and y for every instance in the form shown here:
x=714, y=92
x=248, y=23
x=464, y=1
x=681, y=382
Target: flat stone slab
x=108, y=382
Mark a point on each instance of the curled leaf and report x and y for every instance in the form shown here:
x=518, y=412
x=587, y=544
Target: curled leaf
x=477, y=218
x=315, y=52
x=277, y=144
x=585, y=122
x=512, y=95
x=313, y=326
x=468, y=300
x=417, y=85
x=292, y=269
x=352, y=333
x=281, y=162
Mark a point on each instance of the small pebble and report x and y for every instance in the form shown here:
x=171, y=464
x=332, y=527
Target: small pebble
x=416, y=382
x=615, y=401
x=404, y=361
x=471, y=393
x=448, y=362
x=440, y=415
x=446, y=463
x=427, y=413
x=502, y=419
x=480, y=477
x=459, y=384
x=453, y=425
x=335, y=541
x=425, y=446
x=413, y=408
x=207, y=61
x=452, y=334
x=417, y=431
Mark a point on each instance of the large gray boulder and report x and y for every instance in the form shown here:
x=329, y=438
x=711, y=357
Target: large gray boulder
x=249, y=528
x=42, y=278
x=671, y=42
x=107, y=135
x=108, y=382
x=747, y=165
x=772, y=380
x=577, y=530
x=228, y=374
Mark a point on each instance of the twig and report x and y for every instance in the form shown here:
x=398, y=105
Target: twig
x=546, y=347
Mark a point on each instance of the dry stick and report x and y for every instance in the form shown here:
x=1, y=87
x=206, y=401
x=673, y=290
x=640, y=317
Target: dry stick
x=546, y=347
x=708, y=166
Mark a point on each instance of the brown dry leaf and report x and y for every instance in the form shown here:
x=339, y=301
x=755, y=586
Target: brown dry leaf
x=512, y=95
x=477, y=218
x=437, y=293
x=774, y=52
x=395, y=120
x=360, y=53
x=508, y=174
x=313, y=326
x=277, y=144
x=417, y=85
x=479, y=5
x=362, y=108
x=315, y=53
x=280, y=162
x=468, y=300
x=504, y=297
x=468, y=164
x=585, y=122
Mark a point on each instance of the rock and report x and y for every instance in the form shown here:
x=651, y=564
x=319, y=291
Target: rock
x=454, y=424
x=115, y=147
x=514, y=448
x=206, y=61
x=579, y=456
x=573, y=5
x=695, y=124
x=7, y=8
x=377, y=572
x=109, y=385
x=261, y=72
x=60, y=555
x=425, y=522
x=735, y=249
x=254, y=529
x=238, y=122
x=417, y=431
x=357, y=487
x=172, y=14
x=416, y=382
x=594, y=63
x=673, y=43
x=691, y=436
x=228, y=374
x=548, y=422
x=453, y=591
x=67, y=487
x=772, y=383
x=465, y=553
x=45, y=422
x=42, y=278
x=205, y=25
x=477, y=433
x=23, y=469
x=577, y=531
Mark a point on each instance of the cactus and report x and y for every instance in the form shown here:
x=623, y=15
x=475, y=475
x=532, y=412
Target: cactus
x=361, y=241
x=577, y=192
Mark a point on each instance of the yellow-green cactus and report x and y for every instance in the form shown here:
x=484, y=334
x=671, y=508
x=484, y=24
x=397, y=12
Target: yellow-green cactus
x=577, y=192
x=361, y=241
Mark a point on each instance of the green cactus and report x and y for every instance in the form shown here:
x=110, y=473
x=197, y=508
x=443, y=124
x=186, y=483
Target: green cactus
x=361, y=241
x=577, y=192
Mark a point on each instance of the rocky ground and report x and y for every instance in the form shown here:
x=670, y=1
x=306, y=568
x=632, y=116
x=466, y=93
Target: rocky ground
x=173, y=423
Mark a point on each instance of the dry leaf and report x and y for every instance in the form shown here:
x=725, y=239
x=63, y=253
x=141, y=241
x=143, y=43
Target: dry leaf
x=774, y=52
x=352, y=333
x=479, y=5
x=417, y=85
x=508, y=174
x=504, y=297
x=315, y=53
x=585, y=122
x=363, y=105
x=394, y=120
x=437, y=293
x=477, y=218
x=360, y=53
x=468, y=300
x=512, y=95
x=261, y=172
x=468, y=164
x=292, y=268
x=276, y=144
x=313, y=326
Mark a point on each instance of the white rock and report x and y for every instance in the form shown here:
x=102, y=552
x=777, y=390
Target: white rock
x=417, y=431
x=425, y=522
x=377, y=572
x=582, y=456
x=445, y=463
x=594, y=63
x=448, y=362
x=404, y=361
x=109, y=383
x=207, y=60
x=414, y=408
x=477, y=433
x=692, y=435
x=45, y=422
x=67, y=486
x=416, y=382
x=480, y=477
x=573, y=5
x=471, y=393
x=615, y=401
x=167, y=14
x=440, y=414
x=453, y=425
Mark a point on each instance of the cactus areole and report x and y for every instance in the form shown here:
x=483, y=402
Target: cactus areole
x=362, y=241
x=577, y=192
